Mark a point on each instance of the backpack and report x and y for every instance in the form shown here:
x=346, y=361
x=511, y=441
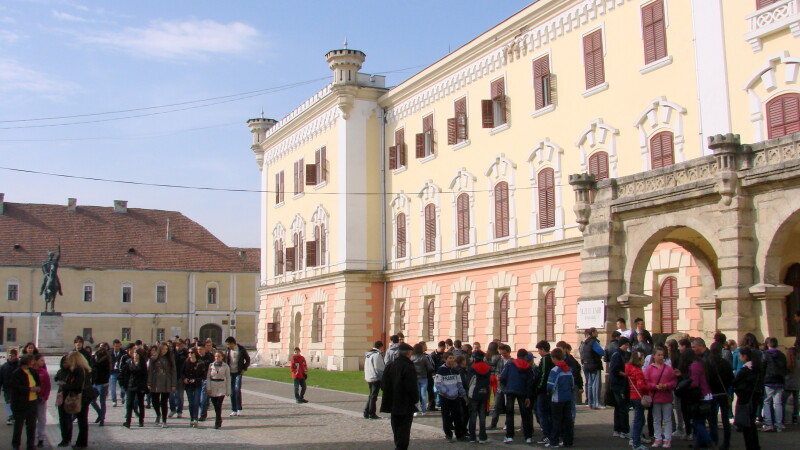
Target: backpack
x=479, y=387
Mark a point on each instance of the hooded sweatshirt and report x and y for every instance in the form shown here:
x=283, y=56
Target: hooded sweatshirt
x=299, y=367
x=373, y=366
x=391, y=353
x=560, y=383
x=479, y=383
x=517, y=377
x=448, y=382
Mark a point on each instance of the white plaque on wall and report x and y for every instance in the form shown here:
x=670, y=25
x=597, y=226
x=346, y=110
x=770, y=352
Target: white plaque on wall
x=591, y=313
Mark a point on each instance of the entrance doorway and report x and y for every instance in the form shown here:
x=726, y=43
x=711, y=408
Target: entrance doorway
x=793, y=299
x=213, y=331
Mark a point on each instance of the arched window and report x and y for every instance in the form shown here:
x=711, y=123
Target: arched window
x=401, y=317
x=783, y=115
x=430, y=228
x=669, y=305
x=319, y=322
x=501, y=210
x=274, y=328
x=504, y=317
x=598, y=165
x=401, y=236
x=465, y=319
x=550, y=315
x=462, y=213
x=793, y=299
x=662, y=152
x=547, y=199
x=431, y=318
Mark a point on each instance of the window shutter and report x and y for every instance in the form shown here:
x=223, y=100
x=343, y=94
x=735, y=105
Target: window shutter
x=661, y=150
x=598, y=165
x=431, y=318
x=290, y=266
x=420, y=142
x=311, y=174
x=462, y=207
x=501, y=210
x=550, y=315
x=392, y=157
x=498, y=92
x=283, y=185
x=465, y=319
x=452, y=136
x=504, y=318
x=322, y=245
x=547, y=204
x=323, y=164
x=783, y=115
x=669, y=305
x=593, y=59
x=300, y=176
x=311, y=253
x=487, y=113
x=427, y=128
x=430, y=228
x=541, y=74
x=295, y=178
x=764, y=3
x=461, y=119
x=399, y=142
x=654, y=32
x=401, y=235
x=278, y=187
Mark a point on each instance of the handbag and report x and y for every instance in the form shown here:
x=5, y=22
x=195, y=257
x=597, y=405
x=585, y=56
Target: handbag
x=645, y=399
x=72, y=403
x=741, y=415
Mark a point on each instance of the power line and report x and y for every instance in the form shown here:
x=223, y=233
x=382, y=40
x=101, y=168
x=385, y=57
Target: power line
x=126, y=138
x=208, y=188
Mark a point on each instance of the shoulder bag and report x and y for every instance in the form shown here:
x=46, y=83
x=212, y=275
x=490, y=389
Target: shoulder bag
x=646, y=400
x=72, y=403
x=741, y=415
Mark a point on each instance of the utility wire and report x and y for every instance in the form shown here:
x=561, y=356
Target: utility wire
x=208, y=188
x=128, y=138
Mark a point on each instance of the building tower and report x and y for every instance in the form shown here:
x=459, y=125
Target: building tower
x=259, y=127
x=345, y=64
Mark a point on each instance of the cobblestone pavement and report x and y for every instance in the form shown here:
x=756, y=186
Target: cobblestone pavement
x=271, y=419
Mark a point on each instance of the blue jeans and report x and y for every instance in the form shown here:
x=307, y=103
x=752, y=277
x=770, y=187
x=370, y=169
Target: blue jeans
x=176, y=398
x=701, y=433
x=112, y=383
x=544, y=413
x=193, y=394
x=203, y=400
x=422, y=385
x=102, y=390
x=638, y=422
x=236, y=391
x=773, y=400
x=593, y=384
x=299, y=389
x=721, y=405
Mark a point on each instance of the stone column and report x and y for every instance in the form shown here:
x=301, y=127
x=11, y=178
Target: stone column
x=632, y=306
x=769, y=298
x=354, y=322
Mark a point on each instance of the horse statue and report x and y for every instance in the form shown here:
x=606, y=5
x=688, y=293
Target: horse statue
x=51, y=285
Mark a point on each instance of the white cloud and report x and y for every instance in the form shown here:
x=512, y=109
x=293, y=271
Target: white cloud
x=192, y=39
x=14, y=77
x=7, y=19
x=67, y=17
x=8, y=37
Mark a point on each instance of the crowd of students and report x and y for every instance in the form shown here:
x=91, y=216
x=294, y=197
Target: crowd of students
x=660, y=392
x=156, y=377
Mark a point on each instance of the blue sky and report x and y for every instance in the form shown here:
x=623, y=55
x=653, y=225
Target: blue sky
x=62, y=58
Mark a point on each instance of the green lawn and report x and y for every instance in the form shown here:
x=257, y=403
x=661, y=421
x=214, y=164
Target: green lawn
x=349, y=381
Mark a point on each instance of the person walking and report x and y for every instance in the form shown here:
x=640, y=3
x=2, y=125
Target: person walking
x=101, y=378
x=638, y=390
x=518, y=379
x=451, y=392
x=64, y=420
x=478, y=389
x=8, y=369
x=161, y=379
x=208, y=358
x=423, y=366
x=661, y=382
x=219, y=385
x=116, y=353
x=194, y=372
x=180, y=354
x=775, y=370
x=136, y=374
x=239, y=361
x=373, y=371
x=299, y=375
x=43, y=394
x=591, y=354
x=400, y=395
x=24, y=401
x=746, y=386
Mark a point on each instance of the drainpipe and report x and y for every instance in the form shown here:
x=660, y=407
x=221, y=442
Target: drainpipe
x=384, y=256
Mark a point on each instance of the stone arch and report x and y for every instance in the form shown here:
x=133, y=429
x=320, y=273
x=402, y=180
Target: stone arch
x=765, y=84
x=544, y=279
x=660, y=115
x=502, y=282
x=669, y=262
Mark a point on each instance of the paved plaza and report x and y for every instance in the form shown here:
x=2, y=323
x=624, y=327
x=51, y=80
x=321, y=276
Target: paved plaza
x=332, y=419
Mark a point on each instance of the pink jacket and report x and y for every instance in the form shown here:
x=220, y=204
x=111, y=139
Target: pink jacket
x=44, y=383
x=668, y=378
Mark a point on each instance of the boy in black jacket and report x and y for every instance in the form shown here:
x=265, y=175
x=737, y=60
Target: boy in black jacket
x=478, y=390
x=543, y=415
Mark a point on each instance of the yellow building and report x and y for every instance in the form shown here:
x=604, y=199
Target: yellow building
x=445, y=207
x=126, y=273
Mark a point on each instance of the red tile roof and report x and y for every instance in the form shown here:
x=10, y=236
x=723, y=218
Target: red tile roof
x=96, y=237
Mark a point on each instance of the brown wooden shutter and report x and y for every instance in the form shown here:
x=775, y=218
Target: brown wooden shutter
x=783, y=115
x=764, y=3
x=402, y=316
x=311, y=174
x=465, y=319
x=296, y=171
x=393, y=157
x=452, y=136
x=420, y=142
x=461, y=119
x=498, y=92
x=401, y=235
x=501, y=210
x=661, y=150
x=290, y=266
x=323, y=166
x=319, y=324
x=547, y=202
x=654, y=32
x=277, y=256
x=300, y=176
x=462, y=209
x=323, y=247
x=541, y=78
x=669, y=305
x=430, y=228
x=427, y=128
x=311, y=253
x=271, y=332
x=598, y=165
x=399, y=142
x=504, y=318
x=278, y=187
x=550, y=315
x=593, y=59
x=487, y=113
x=283, y=185
x=431, y=318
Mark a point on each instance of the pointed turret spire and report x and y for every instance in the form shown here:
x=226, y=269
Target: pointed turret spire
x=345, y=42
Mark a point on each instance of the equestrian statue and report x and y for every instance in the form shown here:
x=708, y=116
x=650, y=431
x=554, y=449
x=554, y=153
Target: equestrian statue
x=51, y=285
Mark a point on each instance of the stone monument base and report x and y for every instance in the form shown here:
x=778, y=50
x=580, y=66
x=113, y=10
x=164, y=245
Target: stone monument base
x=50, y=331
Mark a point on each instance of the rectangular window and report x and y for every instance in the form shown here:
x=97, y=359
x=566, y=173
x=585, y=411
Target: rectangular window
x=212, y=296
x=457, y=126
x=87, y=335
x=11, y=335
x=547, y=196
x=424, y=140
x=654, y=32
x=278, y=257
x=126, y=334
x=593, y=59
x=494, y=110
x=401, y=236
x=160, y=334
x=88, y=293
x=430, y=228
x=317, y=173
x=279, y=187
x=127, y=294
x=764, y=3
x=13, y=292
x=299, y=169
x=542, y=82
x=273, y=332
x=161, y=294
x=397, y=152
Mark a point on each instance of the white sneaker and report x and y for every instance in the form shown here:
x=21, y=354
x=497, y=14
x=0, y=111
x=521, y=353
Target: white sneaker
x=232, y=414
x=529, y=441
x=508, y=440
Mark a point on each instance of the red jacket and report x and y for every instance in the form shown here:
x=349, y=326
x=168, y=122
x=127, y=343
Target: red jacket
x=44, y=383
x=636, y=379
x=299, y=367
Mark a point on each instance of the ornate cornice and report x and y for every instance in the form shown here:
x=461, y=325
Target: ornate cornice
x=299, y=110
x=301, y=136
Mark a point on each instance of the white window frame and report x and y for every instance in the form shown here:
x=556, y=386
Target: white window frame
x=129, y=285
x=161, y=284
x=215, y=286
x=90, y=285
x=8, y=287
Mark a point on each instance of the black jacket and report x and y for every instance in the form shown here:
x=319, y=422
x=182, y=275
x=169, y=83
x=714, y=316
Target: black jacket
x=575, y=367
x=6, y=371
x=124, y=372
x=180, y=359
x=545, y=366
x=116, y=359
x=775, y=367
x=746, y=385
x=137, y=376
x=195, y=371
x=720, y=376
x=101, y=371
x=242, y=359
x=20, y=387
x=399, y=385
x=78, y=382
x=591, y=360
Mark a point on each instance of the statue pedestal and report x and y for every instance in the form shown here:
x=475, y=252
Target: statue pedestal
x=50, y=331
